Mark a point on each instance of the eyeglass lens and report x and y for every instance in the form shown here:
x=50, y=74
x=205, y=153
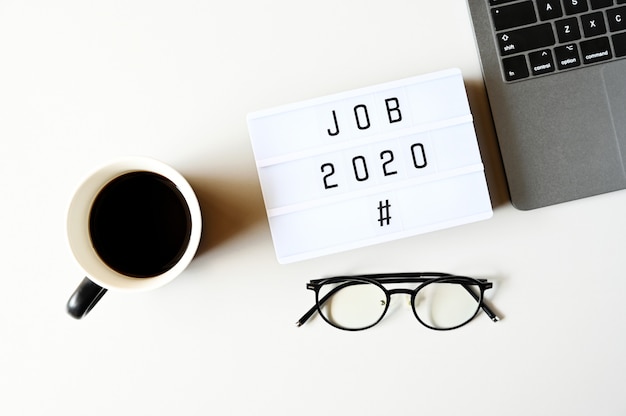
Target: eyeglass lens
x=352, y=304
x=359, y=304
x=444, y=305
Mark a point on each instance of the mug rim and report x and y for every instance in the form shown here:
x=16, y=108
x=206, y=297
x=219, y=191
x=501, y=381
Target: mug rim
x=78, y=224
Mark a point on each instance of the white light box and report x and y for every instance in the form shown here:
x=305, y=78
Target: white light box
x=369, y=165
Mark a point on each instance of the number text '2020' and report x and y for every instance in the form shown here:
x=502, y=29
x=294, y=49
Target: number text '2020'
x=386, y=162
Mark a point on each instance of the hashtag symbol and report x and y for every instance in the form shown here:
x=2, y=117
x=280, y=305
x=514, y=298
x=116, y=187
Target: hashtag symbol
x=384, y=217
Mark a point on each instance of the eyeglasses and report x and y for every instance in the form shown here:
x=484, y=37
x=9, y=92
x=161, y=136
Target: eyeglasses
x=441, y=301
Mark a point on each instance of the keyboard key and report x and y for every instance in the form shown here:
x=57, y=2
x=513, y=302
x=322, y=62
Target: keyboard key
x=549, y=9
x=619, y=44
x=541, y=62
x=515, y=68
x=593, y=24
x=526, y=39
x=567, y=56
x=497, y=2
x=621, y=1
x=596, y=50
x=567, y=30
x=600, y=4
x=617, y=19
x=575, y=6
x=514, y=15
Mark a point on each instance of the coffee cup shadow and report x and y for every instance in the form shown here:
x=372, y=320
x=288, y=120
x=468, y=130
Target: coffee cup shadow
x=230, y=206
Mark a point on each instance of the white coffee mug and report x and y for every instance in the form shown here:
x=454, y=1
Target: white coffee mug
x=132, y=225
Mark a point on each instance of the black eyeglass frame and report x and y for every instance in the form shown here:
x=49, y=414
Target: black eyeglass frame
x=425, y=278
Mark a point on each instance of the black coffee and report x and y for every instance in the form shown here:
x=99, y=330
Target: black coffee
x=140, y=224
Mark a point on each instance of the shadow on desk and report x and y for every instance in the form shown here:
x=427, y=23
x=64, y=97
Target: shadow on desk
x=488, y=142
x=229, y=207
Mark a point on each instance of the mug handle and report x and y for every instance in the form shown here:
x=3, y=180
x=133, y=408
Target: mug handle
x=84, y=298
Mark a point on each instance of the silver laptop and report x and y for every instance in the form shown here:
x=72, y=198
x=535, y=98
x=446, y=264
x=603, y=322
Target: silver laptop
x=555, y=73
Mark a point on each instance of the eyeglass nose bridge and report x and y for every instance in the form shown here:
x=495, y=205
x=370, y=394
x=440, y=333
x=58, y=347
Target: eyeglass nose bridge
x=401, y=290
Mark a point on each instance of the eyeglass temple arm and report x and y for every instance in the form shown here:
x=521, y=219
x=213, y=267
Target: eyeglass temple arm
x=323, y=300
x=306, y=316
x=491, y=314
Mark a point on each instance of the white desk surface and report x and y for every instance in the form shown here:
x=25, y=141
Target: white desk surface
x=82, y=83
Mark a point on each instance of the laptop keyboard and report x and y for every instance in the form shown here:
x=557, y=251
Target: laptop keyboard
x=542, y=37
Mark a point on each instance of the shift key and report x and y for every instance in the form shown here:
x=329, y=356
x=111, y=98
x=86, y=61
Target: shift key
x=526, y=39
